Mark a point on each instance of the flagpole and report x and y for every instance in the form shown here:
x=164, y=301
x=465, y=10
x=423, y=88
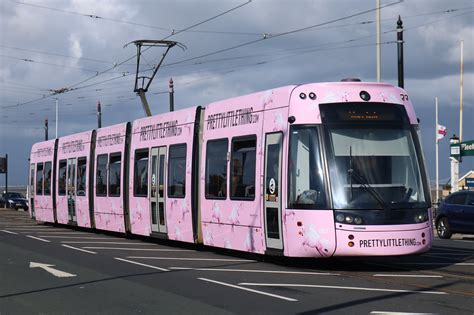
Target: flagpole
x=460, y=91
x=437, y=143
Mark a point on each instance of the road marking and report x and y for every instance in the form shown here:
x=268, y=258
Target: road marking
x=440, y=264
x=259, y=271
x=54, y=272
x=37, y=238
x=140, y=264
x=76, y=237
x=80, y=249
x=408, y=276
x=9, y=232
x=140, y=249
x=465, y=241
x=198, y=259
x=250, y=290
x=398, y=313
x=63, y=232
x=114, y=243
x=337, y=287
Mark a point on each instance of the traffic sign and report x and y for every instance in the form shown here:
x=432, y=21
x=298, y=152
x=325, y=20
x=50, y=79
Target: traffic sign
x=467, y=148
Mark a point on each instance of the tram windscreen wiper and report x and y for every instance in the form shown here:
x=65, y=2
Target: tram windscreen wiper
x=366, y=186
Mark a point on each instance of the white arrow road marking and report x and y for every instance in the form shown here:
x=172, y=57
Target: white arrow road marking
x=54, y=272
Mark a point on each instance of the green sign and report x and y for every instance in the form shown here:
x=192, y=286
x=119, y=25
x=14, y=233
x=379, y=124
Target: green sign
x=467, y=148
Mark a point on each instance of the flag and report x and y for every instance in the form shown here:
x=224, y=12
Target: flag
x=441, y=132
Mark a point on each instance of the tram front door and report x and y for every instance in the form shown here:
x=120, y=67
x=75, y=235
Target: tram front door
x=272, y=202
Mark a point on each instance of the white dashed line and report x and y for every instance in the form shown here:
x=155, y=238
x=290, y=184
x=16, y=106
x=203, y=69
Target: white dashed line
x=79, y=249
x=140, y=264
x=295, y=285
x=249, y=290
x=407, y=276
x=258, y=271
x=196, y=259
x=37, y=238
x=9, y=232
x=140, y=249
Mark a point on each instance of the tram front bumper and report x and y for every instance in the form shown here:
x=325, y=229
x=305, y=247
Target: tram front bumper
x=383, y=242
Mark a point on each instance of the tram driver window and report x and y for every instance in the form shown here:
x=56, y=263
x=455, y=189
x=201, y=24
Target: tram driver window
x=140, y=173
x=306, y=188
x=242, y=168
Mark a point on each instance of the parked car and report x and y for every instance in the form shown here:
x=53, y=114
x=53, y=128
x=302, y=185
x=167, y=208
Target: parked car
x=456, y=214
x=14, y=200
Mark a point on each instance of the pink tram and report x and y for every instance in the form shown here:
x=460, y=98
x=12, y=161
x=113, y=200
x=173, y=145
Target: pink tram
x=313, y=170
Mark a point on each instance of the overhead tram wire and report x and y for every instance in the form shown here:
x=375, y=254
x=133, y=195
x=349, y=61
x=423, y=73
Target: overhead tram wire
x=96, y=17
x=175, y=33
x=267, y=37
x=446, y=11
x=247, y=43
x=216, y=32
x=77, y=85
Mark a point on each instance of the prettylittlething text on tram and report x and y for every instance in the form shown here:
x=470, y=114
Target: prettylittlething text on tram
x=312, y=170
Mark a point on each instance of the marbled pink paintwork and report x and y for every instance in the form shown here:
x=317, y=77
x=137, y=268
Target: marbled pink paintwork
x=178, y=210
x=109, y=210
x=74, y=146
x=240, y=224
x=42, y=152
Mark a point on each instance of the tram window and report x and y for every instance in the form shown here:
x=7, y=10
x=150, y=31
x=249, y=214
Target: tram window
x=115, y=165
x=62, y=178
x=216, y=169
x=47, y=178
x=81, y=176
x=39, y=179
x=177, y=171
x=101, y=175
x=306, y=185
x=140, y=174
x=242, y=168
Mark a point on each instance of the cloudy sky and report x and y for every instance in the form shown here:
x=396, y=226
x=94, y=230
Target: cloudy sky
x=232, y=48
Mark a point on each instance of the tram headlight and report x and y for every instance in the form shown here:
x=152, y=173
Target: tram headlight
x=340, y=217
x=358, y=220
x=349, y=219
x=421, y=217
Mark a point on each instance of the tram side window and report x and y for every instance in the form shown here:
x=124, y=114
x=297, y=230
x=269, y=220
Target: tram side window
x=242, y=168
x=177, y=171
x=47, y=178
x=140, y=173
x=216, y=169
x=306, y=185
x=62, y=178
x=115, y=165
x=39, y=179
x=101, y=175
x=81, y=176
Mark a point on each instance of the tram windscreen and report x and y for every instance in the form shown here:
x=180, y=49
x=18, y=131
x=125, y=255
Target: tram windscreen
x=375, y=165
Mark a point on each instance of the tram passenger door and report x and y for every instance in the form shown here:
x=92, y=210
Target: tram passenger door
x=157, y=190
x=71, y=189
x=272, y=203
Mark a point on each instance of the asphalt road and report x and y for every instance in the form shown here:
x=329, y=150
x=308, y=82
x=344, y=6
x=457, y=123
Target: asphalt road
x=46, y=269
